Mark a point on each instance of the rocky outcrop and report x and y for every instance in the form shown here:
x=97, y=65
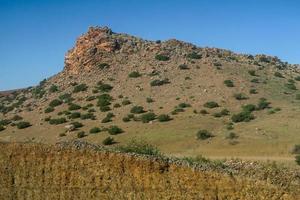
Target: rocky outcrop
x=32, y=171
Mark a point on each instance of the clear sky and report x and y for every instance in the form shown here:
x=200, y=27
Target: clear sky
x=35, y=34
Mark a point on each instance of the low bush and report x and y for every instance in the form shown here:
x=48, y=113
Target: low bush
x=183, y=105
x=103, y=66
x=203, y=135
x=229, y=83
x=243, y=116
x=134, y=74
x=114, y=130
x=73, y=106
x=149, y=100
x=56, y=121
x=162, y=57
x=104, y=108
x=16, y=118
x=140, y=147
x=67, y=98
x=158, y=82
x=75, y=115
x=23, y=124
x=203, y=112
x=296, y=149
x=297, y=159
x=278, y=74
x=117, y=105
x=297, y=78
x=252, y=91
x=126, y=119
x=211, y=104
x=194, y=55
x=90, y=98
x=2, y=128
x=108, y=141
x=80, y=88
x=297, y=96
x=81, y=134
x=137, y=109
x=55, y=102
x=249, y=108
x=126, y=102
x=240, y=96
x=95, y=130
x=147, y=117
x=53, y=88
x=103, y=87
x=88, y=116
x=255, y=80
x=77, y=125
x=163, y=118
x=231, y=136
x=263, y=104
x=183, y=67
x=49, y=110
x=291, y=86
x=252, y=72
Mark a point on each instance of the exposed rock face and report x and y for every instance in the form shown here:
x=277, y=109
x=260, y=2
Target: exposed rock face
x=90, y=48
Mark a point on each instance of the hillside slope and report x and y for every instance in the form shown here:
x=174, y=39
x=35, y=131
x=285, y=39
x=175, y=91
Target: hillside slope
x=249, y=105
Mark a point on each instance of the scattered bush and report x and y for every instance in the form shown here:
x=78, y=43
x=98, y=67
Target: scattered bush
x=67, y=98
x=164, y=118
x=103, y=66
x=194, y=55
x=117, y=105
x=104, y=108
x=126, y=119
x=140, y=147
x=255, y=80
x=297, y=159
x=137, y=109
x=55, y=102
x=296, y=149
x=147, y=117
x=158, y=82
x=53, y=88
x=2, y=128
x=108, y=141
x=249, y=108
x=103, y=87
x=149, y=100
x=134, y=74
x=278, y=74
x=49, y=110
x=203, y=112
x=263, y=104
x=211, y=104
x=23, y=124
x=75, y=115
x=297, y=78
x=16, y=118
x=90, y=98
x=95, y=130
x=184, y=105
x=114, y=130
x=81, y=134
x=231, y=136
x=229, y=83
x=291, y=86
x=62, y=134
x=80, y=88
x=183, y=67
x=73, y=106
x=162, y=57
x=56, y=121
x=243, y=116
x=240, y=96
x=252, y=91
x=252, y=72
x=203, y=135
x=297, y=96
x=88, y=116
x=126, y=102
x=77, y=125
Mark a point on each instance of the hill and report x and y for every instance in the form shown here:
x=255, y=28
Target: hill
x=185, y=99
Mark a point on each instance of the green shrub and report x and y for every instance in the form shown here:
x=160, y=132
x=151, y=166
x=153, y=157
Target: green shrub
x=126, y=102
x=75, y=115
x=296, y=149
x=126, y=119
x=183, y=67
x=229, y=126
x=194, y=55
x=252, y=72
x=104, y=100
x=162, y=57
x=38, y=92
x=81, y=134
x=211, y=104
x=255, y=80
x=103, y=66
x=77, y=125
x=147, y=117
x=297, y=96
x=243, y=116
x=90, y=98
x=2, y=128
x=23, y=124
x=49, y=110
x=184, y=105
x=95, y=130
x=88, y=116
x=104, y=108
x=106, y=120
x=137, y=109
x=158, y=82
x=229, y=83
x=55, y=102
x=291, y=86
x=263, y=104
x=249, y=108
x=108, y=141
x=240, y=96
x=16, y=118
x=297, y=78
x=297, y=159
x=62, y=134
x=134, y=74
x=203, y=112
x=53, y=88
x=231, y=136
x=203, y=135
x=73, y=106
x=252, y=91
x=103, y=87
x=164, y=118
x=140, y=147
x=117, y=105
x=67, y=98
x=278, y=74
x=80, y=88
x=56, y=121
x=114, y=130
x=149, y=100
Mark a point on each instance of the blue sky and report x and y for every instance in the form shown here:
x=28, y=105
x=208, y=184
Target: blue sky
x=35, y=34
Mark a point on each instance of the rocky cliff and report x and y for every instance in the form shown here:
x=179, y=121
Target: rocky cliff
x=32, y=171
